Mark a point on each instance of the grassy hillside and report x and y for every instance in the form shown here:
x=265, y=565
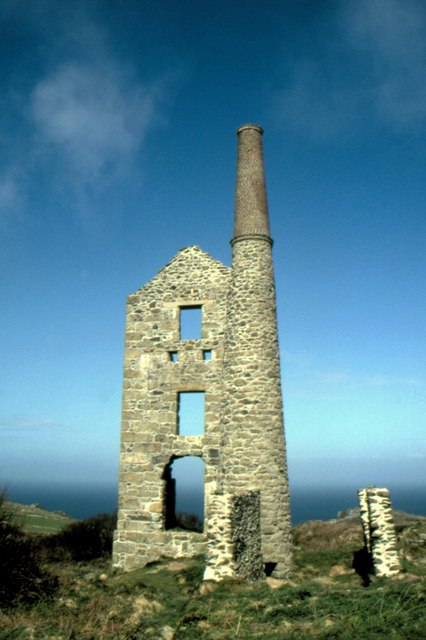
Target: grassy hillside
x=36, y=520
x=167, y=600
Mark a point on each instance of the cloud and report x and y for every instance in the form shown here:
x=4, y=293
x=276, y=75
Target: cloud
x=417, y=456
x=391, y=35
x=303, y=365
x=364, y=380
x=370, y=68
x=15, y=423
x=76, y=112
x=94, y=116
x=11, y=196
x=314, y=105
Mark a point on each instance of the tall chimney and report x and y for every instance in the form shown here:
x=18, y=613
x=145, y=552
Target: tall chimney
x=251, y=207
x=252, y=414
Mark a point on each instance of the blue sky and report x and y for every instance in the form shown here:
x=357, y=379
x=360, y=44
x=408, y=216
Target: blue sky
x=118, y=148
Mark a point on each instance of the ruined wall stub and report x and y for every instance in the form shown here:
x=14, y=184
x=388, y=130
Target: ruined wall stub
x=246, y=536
x=379, y=530
x=243, y=442
x=234, y=538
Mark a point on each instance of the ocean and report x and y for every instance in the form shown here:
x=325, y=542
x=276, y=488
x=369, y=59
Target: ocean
x=306, y=503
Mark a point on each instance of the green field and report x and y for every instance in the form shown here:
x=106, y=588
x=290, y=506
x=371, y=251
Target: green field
x=36, y=520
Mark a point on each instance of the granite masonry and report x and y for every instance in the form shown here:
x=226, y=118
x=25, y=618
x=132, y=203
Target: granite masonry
x=379, y=530
x=234, y=363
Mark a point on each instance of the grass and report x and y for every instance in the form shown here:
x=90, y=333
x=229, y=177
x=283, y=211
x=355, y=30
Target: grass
x=35, y=520
x=324, y=600
x=96, y=602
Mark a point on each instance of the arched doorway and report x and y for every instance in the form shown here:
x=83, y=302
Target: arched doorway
x=184, y=493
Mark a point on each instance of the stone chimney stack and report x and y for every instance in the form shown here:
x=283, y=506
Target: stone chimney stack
x=254, y=455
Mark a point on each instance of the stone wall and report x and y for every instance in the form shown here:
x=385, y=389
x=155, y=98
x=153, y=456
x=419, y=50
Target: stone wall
x=152, y=382
x=234, y=538
x=246, y=536
x=254, y=453
x=252, y=422
x=219, y=552
x=379, y=530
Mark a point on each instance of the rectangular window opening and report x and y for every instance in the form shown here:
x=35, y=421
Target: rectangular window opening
x=173, y=356
x=190, y=323
x=207, y=354
x=190, y=418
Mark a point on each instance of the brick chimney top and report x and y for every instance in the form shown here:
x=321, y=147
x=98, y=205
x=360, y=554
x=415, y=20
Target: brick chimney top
x=251, y=208
x=250, y=126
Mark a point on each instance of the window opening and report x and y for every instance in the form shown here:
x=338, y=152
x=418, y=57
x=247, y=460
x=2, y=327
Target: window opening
x=207, y=354
x=190, y=417
x=184, y=494
x=269, y=568
x=190, y=323
x=173, y=356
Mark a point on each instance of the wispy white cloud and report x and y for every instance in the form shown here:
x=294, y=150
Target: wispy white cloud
x=315, y=104
x=364, y=379
x=11, y=195
x=417, y=456
x=81, y=115
x=391, y=34
x=16, y=423
x=305, y=366
x=372, y=67
x=94, y=115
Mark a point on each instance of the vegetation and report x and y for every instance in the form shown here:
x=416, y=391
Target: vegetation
x=34, y=519
x=324, y=599
x=189, y=521
x=81, y=541
x=24, y=575
x=23, y=578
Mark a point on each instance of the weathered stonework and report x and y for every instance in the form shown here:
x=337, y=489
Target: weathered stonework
x=246, y=536
x=219, y=553
x=379, y=530
x=234, y=538
x=252, y=419
x=152, y=381
x=246, y=512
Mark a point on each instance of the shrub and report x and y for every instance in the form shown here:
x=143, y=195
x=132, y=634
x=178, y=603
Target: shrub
x=189, y=521
x=22, y=576
x=83, y=541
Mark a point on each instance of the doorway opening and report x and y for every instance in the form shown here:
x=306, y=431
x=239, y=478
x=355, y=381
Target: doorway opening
x=184, y=494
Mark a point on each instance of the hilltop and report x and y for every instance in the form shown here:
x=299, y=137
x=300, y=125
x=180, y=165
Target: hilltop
x=36, y=520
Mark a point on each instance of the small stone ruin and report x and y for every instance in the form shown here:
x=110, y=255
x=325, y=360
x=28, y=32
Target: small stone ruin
x=379, y=531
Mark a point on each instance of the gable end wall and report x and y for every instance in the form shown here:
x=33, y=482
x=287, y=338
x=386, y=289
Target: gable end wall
x=149, y=439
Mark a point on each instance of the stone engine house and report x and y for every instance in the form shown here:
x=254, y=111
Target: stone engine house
x=234, y=363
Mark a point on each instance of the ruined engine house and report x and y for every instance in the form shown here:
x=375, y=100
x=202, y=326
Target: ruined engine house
x=234, y=365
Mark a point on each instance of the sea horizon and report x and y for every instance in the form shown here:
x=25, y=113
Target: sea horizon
x=318, y=503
